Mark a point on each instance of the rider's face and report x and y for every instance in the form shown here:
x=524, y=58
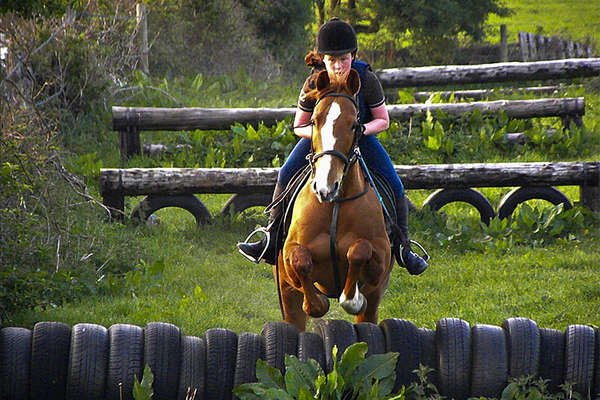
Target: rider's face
x=338, y=67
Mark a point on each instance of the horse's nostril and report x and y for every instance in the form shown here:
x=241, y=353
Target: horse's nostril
x=336, y=186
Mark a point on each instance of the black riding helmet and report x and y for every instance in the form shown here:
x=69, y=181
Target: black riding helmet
x=336, y=37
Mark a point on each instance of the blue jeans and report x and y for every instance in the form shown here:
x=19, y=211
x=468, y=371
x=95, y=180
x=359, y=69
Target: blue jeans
x=371, y=149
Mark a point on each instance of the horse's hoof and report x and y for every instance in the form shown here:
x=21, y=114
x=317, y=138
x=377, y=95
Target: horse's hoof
x=354, y=306
x=319, y=311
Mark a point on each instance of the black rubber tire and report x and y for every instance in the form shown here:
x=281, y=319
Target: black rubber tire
x=310, y=345
x=523, y=346
x=335, y=332
x=241, y=201
x=453, y=347
x=162, y=353
x=251, y=347
x=154, y=202
x=441, y=197
x=50, y=344
x=579, y=358
x=88, y=362
x=401, y=336
x=597, y=369
x=428, y=353
x=512, y=199
x=193, y=368
x=372, y=335
x=125, y=360
x=281, y=338
x=552, y=358
x=489, y=366
x=221, y=348
x=15, y=353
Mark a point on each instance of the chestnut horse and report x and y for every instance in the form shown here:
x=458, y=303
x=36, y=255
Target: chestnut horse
x=355, y=266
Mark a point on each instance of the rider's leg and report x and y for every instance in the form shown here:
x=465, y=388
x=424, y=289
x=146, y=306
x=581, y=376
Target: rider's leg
x=295, y=162
x=377, y=158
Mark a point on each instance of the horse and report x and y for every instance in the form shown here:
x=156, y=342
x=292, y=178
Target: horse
x=337, y=245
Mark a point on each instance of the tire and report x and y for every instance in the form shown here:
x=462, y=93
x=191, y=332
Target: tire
x=154, y=202
x=193, y=368
x=281, y=338
x=552, y=358
x=240, y=202
x=335, y=332
x=88, y=361
x=221, y=348
x=251, y=347
x=15, y=352
x=512, y=199
x=597, y=371
x=453, y=347
x=579, y=355
x=523, y=346
x=428, y=353
x=489, y=366
x=402, y=336
x=125, y=360
x=441, y=197
x=310, y=345
x=372, y=335
x=162, y=354
x=50, y=344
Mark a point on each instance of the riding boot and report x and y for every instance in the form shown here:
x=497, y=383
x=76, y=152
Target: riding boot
x=266, y=248
x=406, y=258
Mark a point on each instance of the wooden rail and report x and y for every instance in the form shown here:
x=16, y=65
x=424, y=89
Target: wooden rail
x=129, y=121
x=485, y=73
x=115, y=184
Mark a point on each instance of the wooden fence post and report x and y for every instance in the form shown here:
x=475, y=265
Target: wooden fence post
x=589, y=195
x=140, y=10
x=503, y=44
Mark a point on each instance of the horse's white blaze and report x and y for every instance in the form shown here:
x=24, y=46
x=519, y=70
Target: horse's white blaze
x=328, y=141
x=354, y=305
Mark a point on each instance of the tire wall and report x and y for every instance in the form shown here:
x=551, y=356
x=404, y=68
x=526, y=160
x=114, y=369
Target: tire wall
x=55, y=361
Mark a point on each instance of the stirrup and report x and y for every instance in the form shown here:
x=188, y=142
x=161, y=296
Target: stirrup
x=267, y=235
x=425, y=256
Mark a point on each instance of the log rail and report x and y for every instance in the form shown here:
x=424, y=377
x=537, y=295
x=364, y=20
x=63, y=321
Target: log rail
x=115, y=184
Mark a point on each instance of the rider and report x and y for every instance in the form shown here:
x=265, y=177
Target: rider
x=336, y=52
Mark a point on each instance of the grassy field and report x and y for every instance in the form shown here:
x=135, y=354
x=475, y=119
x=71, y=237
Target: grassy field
x=577, y=20
x=195, y=278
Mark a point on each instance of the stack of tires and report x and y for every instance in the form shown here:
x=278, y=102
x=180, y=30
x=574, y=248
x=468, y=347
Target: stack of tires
x=88, y=361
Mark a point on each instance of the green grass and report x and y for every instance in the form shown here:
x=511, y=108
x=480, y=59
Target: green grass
x=577, y=20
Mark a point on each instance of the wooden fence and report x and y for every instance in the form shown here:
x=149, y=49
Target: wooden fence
x=537, y=47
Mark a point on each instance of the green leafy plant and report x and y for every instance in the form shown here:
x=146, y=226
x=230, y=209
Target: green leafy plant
x=353, y=377
x=142, y=390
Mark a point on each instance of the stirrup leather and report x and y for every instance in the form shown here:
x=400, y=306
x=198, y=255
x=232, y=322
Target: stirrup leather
x=268, y=237
x=425, y=256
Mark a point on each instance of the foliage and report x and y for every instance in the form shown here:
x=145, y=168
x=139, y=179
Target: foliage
x=352, y=377
x=142, y=390
x=29, y=8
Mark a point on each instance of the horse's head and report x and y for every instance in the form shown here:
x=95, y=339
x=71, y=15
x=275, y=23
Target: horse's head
x=333, y=138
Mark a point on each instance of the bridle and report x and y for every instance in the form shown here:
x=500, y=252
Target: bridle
x=353, y=155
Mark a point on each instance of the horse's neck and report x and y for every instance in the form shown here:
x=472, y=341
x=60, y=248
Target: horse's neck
x=354, y=182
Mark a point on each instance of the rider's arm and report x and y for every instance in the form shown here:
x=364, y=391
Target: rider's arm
x=302, y=121
x=380, y=122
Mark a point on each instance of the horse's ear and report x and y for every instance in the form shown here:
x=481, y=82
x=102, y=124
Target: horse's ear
x=353, y=81
x=322, y=81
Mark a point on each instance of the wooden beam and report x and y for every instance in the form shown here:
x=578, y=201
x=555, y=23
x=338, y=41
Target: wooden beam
x=498, y=72
x=138, y=181
x=150, y=118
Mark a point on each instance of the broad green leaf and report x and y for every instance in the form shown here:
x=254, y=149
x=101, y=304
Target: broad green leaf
x=268, y=375
x=378, y=366
x=352, y=358
x=251, y=391
x=299, y=375
x=510, y=391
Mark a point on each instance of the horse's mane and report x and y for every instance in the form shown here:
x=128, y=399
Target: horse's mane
x=333, y=87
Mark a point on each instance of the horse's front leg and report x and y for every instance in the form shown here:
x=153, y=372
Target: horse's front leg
x=298, y=267
x=359, y=255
